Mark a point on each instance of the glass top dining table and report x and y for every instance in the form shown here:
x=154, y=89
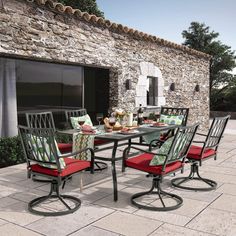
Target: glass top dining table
x=115, y=138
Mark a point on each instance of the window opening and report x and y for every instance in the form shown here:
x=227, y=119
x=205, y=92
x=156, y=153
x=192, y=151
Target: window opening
x=152, y=91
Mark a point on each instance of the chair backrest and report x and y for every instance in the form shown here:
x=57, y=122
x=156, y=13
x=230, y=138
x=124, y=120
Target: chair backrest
x=39, y=146
x=215, y=132
x=176, y=111
x=180, y=145
x=40, y=120
x=74, y=113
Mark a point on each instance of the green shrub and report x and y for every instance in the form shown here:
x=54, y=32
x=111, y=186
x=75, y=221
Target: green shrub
x=63, y=138
x=11, y=151
x=152, y=116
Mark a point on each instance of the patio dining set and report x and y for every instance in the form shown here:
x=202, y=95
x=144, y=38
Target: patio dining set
x=170, y=147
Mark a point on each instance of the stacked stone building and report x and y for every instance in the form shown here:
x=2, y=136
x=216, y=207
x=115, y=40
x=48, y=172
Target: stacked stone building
x=44, y=30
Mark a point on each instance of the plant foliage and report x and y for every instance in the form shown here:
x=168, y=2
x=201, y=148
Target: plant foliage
x=89, y=6
x=199, y=37
x=11, y=152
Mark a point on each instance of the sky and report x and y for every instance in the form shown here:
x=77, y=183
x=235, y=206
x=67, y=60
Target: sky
x=168, y=18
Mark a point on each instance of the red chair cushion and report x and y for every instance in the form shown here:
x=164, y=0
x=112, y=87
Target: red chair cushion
x=142, y=161
x=100, y=142
x=195, y=151
x=72, y=166
x=65, y=147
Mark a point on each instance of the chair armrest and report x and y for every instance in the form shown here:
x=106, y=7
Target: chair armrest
x=135, y=148
x=77, y=152
x=205, y=135
x=156, y=140
x=198, y=142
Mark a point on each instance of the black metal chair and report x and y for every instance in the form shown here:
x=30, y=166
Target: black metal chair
x=77, y=113
x=43, y=160
x=198, y=154
x=178, y=111
x=74, y=113
x=174, y=160
x=81, y=112
x=170, y=111
x=45, y=120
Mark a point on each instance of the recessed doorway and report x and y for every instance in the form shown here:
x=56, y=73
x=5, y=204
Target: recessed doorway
x=96, y=90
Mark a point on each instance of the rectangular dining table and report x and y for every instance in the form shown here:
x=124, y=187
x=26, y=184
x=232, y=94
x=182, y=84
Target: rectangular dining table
x=116, y=138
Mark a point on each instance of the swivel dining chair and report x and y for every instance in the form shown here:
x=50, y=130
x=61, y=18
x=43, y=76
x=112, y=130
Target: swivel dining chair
x=100, y=165
x=78, y=113
x=44, y=160
x=173, y=112
x=169, y=159
x=170, y=115
x=205, y=150
x=45, y=120
x=74, y=113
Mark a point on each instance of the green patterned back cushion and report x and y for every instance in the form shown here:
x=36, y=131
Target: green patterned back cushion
x=74, y=121
x=41, y=151
x=179, y=147
x=81, y=141
x=172, y=119
x=181, y=143
x=164, y=149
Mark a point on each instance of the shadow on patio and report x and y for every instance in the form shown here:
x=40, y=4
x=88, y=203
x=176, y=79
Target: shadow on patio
x=203, y=213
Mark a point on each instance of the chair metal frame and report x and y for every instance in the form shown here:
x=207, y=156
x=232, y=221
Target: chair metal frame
x=157, y=178
x=170, y=111
x=28, y=136
x=176, y=111
x=81, y=112
x=74, y=113
x=40, y=120
x=212, y=141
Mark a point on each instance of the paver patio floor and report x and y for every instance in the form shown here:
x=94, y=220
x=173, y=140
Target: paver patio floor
x=202, y=213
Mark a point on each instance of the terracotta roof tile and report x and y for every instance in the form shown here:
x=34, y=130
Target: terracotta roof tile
x=113, y=26
x=78, y=13
x=60, y=7
x=70, y=10
x=108, y=23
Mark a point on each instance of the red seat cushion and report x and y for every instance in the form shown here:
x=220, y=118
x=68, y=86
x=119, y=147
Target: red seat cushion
x=100, y=142
x=195, y=151
x=142, y=161
x=65, y=147
x=72, y=166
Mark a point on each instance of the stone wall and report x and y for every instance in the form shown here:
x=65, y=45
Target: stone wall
x=223, y=113
x=30, y=31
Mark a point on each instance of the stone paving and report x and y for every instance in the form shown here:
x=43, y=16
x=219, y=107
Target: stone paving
x=202, y=213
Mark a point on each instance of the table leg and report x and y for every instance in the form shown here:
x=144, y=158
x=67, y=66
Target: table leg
x=113, y=167
x=129, y=142
x=129, y=145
